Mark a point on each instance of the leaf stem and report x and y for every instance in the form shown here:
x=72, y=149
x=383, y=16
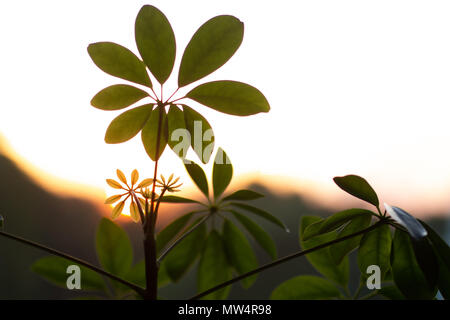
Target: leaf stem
x=172, y=95
x=136, y=288
x=180, y=238
x=285, y=259
x=177, y=99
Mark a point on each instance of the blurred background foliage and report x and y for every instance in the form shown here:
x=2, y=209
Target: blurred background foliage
x=69, y=224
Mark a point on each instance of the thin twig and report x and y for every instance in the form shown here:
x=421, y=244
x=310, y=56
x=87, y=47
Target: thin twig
x=285, y=259
x=79, y=261
x=184, y=235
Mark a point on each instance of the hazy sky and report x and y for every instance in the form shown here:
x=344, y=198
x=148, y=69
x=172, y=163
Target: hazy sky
x=354, y=86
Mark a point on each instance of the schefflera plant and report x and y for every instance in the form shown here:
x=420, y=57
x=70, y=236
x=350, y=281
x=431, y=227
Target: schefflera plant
x=212, y=45
x=159, y=118
x=211, y=235
x=414, y=261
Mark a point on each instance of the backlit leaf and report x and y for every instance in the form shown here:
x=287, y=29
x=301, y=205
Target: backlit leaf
x=117, y=97
x=114, y=249
x=258, y=233
x=128, y=124
x=334, y=221
x=243, y=195
x=202, y=135
x=120, y=62
x=155, y=41
x=182, y=257
x=261, y=213
x=177, y=131
x=134, y=177
x=222, y=172
x=213, y=268
x=231, y=97
x=212, y=45
x=305, y=288
x=121, y=176
x=407, y=274
x=170, y=231
x=239, y=252
x=113, y=184
x=415, y=229
x=375, y=249
x=198, y=176
x=341, y=249
x=117, y=210
x=157, y=122
x=358, y=187
x=113, y=199
x=321, y=259
x=54, y=269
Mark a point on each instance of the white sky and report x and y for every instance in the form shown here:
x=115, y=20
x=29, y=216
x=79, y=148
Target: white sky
x=355, y=87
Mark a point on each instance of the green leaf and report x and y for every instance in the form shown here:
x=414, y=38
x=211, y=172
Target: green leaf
x=155, y=41
x=442, y=248
x=305, y=288
x=202, y=135
x=117, y=97
x=231, y=97
x=128, y=124
x=239, y=252
x=163, y=276
x=137, y=275
x=120, y=62
x=261, y=213
x=150, y=130
x=213, y=268
x=243, y=195
x=212, y=45
x=375, y=249
x=333, y=222
x=183, y=255
x=258, y=233
x=177, y=131
x=392, y=293
x=415, y=229
x=341, y=249
x=222, y=173
x=407, y=274
x=54, y=269
x=427, y=261
x=170, y=231
x=321, y=259
x=177, y=199
x=198, y=176
x=114, y=249
x=442, y=251
x=358, y=187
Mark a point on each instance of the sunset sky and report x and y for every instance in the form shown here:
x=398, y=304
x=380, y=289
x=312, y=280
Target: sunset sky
x=357, y=87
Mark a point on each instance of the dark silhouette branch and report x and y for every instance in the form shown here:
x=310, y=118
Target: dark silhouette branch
x=136, y=288
x=285, y=259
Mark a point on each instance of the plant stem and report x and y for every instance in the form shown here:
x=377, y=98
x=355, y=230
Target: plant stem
x=151, y=265
x=285, y=259
x=136, y=288
x=180, y=238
